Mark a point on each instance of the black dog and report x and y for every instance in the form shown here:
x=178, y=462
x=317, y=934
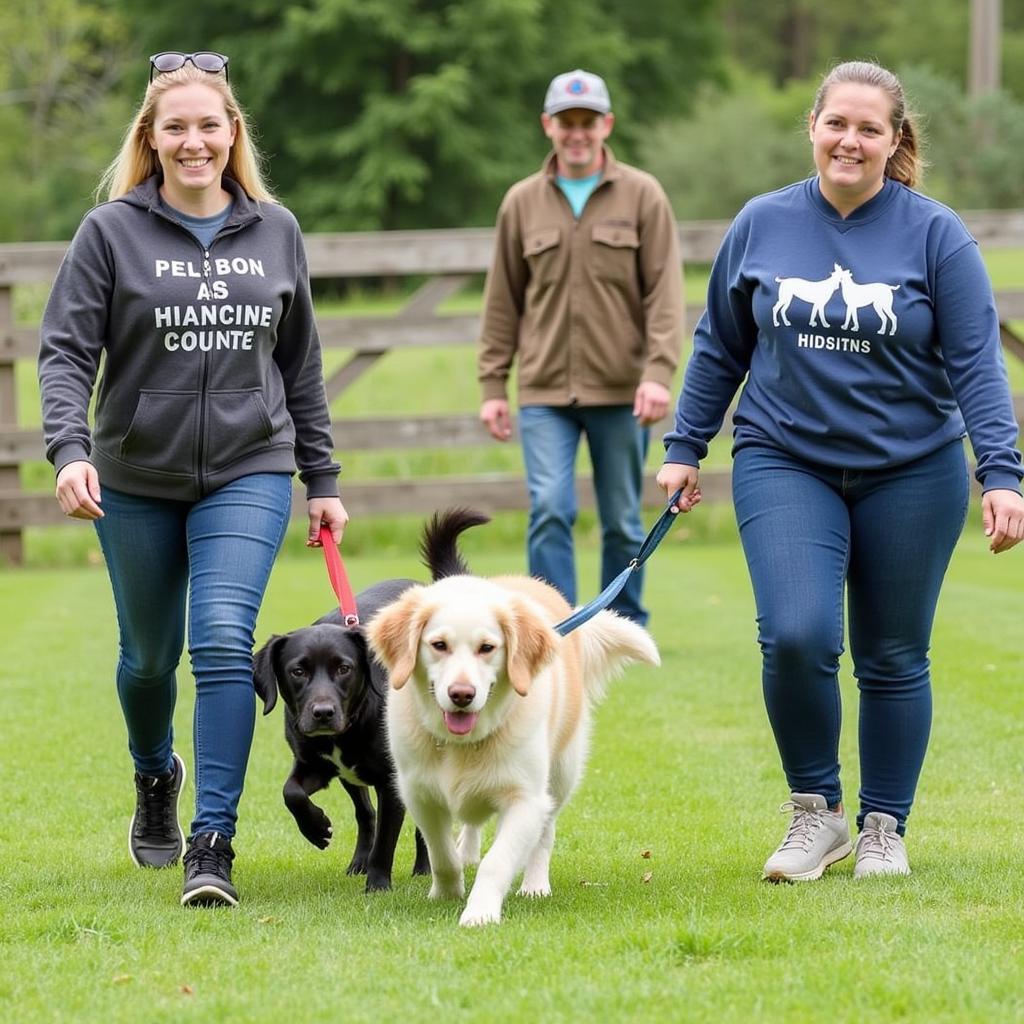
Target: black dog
x=333, y=693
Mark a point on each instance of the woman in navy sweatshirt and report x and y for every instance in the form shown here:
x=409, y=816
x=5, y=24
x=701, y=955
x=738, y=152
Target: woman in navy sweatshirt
x=191, y=283
x=861, y=318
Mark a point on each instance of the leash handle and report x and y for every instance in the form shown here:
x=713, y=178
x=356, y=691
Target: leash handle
x=605, y=598
x=659, y=529
x=339, y=578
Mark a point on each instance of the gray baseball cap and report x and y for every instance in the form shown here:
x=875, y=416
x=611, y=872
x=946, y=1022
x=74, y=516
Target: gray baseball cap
x=577, y=89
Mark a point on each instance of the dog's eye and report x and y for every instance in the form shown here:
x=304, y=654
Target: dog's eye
x=298, y=671
x=344, y=669
x=486, y=648
x=439, y=645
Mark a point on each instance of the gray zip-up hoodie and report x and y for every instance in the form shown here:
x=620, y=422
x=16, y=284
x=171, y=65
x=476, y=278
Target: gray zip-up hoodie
x=212, y=361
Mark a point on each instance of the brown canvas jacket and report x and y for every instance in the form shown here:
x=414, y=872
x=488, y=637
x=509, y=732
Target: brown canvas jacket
x=591, y=307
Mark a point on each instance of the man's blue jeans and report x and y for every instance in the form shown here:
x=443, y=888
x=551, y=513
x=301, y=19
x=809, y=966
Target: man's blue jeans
x=618, y=444
x=886, y=537
x=217, y=552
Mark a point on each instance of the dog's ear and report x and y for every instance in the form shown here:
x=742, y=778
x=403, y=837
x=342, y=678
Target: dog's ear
x=369, y=667
x=394, y=634
x=357, y=634
x=529, y=640
x=264, y=672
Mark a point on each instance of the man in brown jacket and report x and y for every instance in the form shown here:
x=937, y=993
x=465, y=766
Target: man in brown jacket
x=586, y=290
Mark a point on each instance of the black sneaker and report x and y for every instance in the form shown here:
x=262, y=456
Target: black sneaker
x=155, y=839
x=208, y=872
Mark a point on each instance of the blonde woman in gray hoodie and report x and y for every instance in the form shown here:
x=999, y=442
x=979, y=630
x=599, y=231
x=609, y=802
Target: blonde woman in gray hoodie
x=191, y=282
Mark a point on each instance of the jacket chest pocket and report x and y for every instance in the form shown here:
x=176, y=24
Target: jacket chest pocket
x=614, y=250
x=541, y=251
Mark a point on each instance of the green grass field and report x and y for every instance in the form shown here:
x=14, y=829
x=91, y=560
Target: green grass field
x=658, y=913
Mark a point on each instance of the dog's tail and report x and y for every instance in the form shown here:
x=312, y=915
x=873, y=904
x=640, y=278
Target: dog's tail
x=438, y=546
x=608, y=643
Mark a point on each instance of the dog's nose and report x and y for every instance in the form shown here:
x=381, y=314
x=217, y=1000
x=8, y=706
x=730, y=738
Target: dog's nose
x=461, y=694
x=322, y=712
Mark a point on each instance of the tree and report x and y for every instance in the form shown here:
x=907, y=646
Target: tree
x=60, y=114
x=739, y=142
x=752, y=138
x=800, y=39
x=794, y=39
x=972, y=146
x=419, y=113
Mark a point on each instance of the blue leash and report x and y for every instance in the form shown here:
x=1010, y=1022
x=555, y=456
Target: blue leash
x=605, y=598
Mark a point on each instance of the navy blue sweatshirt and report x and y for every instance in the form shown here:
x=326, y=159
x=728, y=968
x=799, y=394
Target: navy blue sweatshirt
x=212, y=365
x=865, y=343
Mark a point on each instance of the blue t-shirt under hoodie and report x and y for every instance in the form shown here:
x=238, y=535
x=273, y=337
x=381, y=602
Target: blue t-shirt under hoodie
x=865, y=343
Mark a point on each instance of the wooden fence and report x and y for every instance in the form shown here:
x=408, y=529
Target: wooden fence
x=447, y=259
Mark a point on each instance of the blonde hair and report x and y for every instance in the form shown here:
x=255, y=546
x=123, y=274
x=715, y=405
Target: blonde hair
x=906, y=163
x=137, y=160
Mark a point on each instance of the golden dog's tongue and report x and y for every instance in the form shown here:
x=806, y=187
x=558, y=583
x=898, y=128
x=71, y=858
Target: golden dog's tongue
x=460, y=722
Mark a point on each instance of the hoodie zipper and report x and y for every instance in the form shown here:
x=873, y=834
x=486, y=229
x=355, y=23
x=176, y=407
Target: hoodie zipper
x=205, y=374
x=200, y=462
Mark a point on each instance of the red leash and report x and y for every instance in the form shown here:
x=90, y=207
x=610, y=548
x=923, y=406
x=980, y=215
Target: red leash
x=339, y=578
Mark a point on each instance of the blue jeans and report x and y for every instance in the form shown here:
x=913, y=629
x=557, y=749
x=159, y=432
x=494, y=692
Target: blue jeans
x=810, y=532
x=618, y=446
x=216, y=552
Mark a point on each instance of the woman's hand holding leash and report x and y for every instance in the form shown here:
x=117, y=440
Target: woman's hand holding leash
x=674, y=476
x=329, y=512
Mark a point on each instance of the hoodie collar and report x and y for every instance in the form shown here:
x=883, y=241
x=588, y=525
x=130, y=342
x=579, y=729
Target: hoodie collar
x=244, y=209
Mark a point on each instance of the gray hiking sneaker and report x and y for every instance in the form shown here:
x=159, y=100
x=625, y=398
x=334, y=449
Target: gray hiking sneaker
x=880, y=849
x=817, y=837
x=155, y=839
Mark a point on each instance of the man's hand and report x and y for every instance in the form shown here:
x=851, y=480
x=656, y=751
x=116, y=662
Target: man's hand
x=650, y=402
x=494, y=415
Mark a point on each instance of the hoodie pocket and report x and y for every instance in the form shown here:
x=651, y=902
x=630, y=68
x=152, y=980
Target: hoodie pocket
x=162, y=433
x=238, y=424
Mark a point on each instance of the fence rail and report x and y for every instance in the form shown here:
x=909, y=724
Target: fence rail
x=446, y=259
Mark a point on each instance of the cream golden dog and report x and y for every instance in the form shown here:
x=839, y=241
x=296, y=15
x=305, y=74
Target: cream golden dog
x=489, y=713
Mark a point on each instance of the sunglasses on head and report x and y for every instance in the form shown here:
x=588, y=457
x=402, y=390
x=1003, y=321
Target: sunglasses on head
x=172, y=60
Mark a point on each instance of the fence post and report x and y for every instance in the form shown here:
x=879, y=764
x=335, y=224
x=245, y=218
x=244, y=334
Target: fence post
x=11, y=548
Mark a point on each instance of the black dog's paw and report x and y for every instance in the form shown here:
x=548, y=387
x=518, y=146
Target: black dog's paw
x=422, y=864
x=377, y=881
x=360, y=862
x=316, y=827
